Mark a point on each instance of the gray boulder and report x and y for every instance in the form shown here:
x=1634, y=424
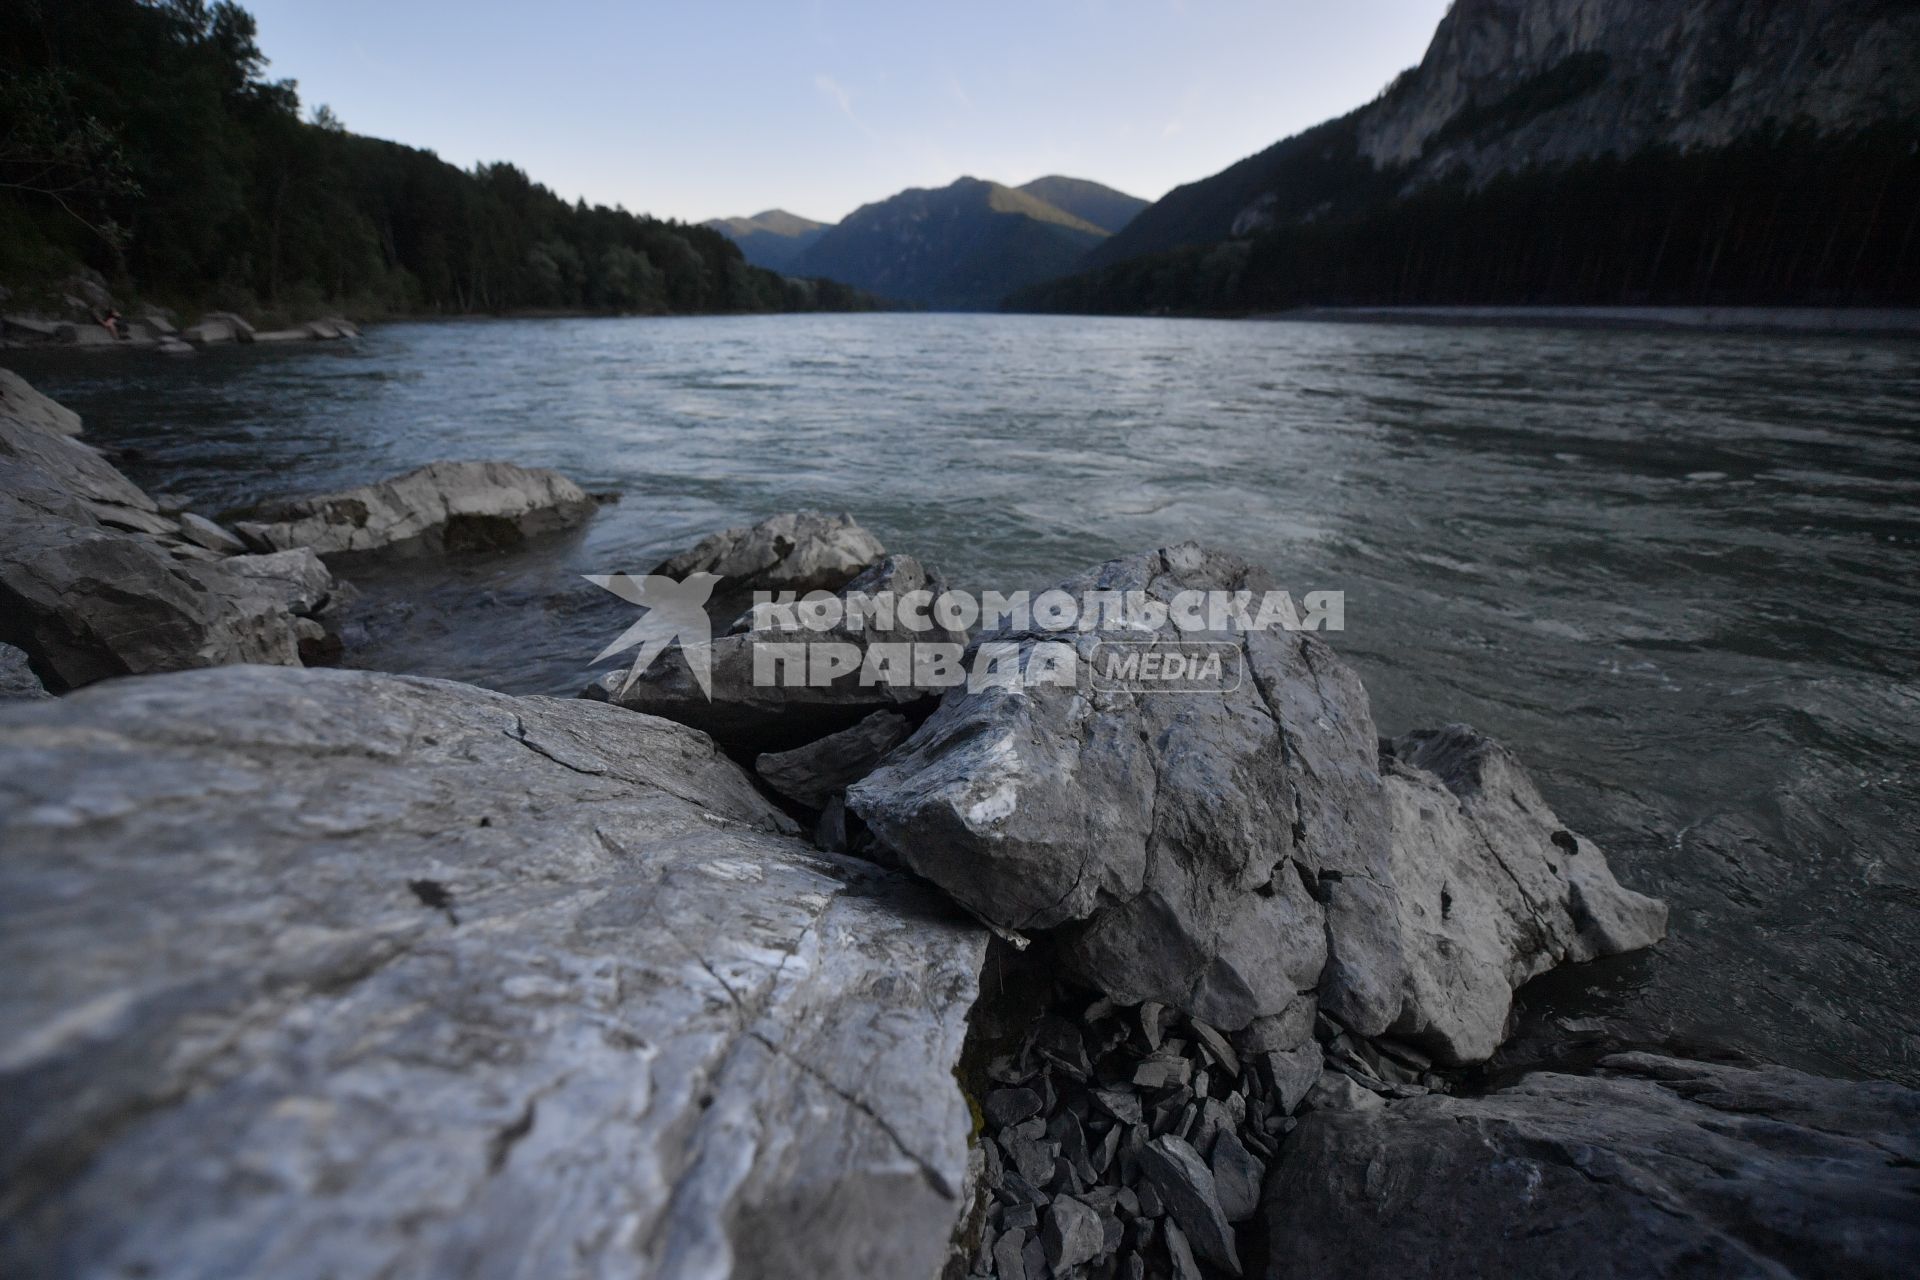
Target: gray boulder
x=89, y=602
x=759, y=706
x=1158, y=830
x=323, y=973
x=218, y=327
x=1224, y=853
x=332, y=328
x=794, y=551
x=299, y=578
x=17, y=680
x=813, y=774
x=203, y=532
x=19, y=329
x=21, y=403
x=1654, y=1166
x=1490, y=890
x=32, y=436
x=441, y=507
x=96, y=581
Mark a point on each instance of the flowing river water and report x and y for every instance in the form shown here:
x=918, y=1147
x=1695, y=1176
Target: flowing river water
x=1678, y=572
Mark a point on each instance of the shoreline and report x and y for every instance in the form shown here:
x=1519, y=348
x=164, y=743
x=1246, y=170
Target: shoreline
x=1838, y=321
x=501, y=861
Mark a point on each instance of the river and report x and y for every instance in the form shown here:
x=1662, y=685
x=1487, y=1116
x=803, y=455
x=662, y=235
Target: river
x=1678, y=572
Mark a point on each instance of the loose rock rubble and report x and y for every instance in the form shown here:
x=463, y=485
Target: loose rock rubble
x=1133, y=1141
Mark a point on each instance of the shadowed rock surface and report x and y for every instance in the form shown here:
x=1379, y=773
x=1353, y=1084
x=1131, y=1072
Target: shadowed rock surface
x=1224, y=854
x=1655, y=1166
x=758, y=705
x=17, y=680
x=812, y=775
x=1490, y=890
x=20, y=402
x=1163, y=823
x=368, y=975
x=441, y=507
x=95, y=581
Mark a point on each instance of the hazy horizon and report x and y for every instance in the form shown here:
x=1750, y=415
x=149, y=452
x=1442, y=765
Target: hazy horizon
x=820, y=108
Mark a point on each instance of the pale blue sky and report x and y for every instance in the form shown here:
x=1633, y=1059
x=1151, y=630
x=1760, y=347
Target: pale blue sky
x=693, y=110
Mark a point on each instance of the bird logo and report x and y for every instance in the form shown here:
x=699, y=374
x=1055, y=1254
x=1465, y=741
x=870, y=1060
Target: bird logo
x=676, y=613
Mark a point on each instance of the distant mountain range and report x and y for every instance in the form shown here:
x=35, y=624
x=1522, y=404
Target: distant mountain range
x=774, y=239
x=1569, y=151
x=965, y=246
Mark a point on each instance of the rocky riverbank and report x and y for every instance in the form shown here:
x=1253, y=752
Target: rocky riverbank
x=98, y=578
x=328, y=973
x=78, y=314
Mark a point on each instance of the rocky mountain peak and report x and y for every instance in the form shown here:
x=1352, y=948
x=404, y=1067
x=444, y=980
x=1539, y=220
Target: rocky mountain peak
x=1511, y=83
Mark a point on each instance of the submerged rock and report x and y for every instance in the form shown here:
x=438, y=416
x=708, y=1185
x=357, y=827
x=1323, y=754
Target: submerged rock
x=1655, y=1166
x=441, y=507
x=366, y=975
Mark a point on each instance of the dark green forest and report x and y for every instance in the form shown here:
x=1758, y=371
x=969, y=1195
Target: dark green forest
x=1783, y=218
x=142, y=138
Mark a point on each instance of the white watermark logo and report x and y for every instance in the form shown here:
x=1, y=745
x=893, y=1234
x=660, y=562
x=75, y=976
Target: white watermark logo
x=676, y=613
x=1100, y=639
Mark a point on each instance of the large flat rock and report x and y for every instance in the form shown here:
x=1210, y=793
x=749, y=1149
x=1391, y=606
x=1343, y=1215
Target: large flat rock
x=1653, y=1167
x=443, y=506
x=320, y=973
x=19, y=401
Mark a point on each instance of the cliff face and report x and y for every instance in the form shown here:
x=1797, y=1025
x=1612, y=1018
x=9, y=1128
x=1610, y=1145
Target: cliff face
x=1512, y=83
